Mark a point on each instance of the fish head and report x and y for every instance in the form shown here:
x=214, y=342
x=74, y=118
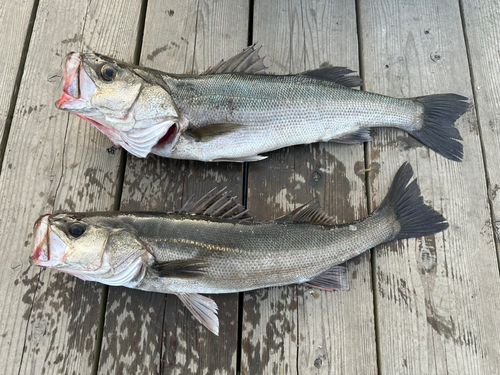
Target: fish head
x=135, y=114
x=91, y=248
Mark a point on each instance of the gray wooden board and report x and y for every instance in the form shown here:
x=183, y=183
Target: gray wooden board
x=150, y=332
x=482, y=31
x=14, y=20
x=57, y=163
x=437, y=297
x=297, y=329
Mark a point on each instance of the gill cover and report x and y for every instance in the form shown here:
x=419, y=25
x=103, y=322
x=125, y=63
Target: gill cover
x=132, y=112
x=90, y=249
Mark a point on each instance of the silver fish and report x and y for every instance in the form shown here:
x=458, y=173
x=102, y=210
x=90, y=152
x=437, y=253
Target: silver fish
x=232, y=112
x=214, y=246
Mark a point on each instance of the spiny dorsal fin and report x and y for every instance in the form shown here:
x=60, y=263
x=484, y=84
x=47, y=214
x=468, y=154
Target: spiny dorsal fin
x=216, y=204
x=336, y=74
x=209, y=132
x=247, y=61
x=307, y=213
x=182, y=268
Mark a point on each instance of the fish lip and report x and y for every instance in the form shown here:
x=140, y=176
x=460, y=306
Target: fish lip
x=77, y=85
x=71, y=85
x=41, y=231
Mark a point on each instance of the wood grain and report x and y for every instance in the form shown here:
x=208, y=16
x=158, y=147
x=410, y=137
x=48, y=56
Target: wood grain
x=297, y=329
x=14, y=22
x=179, y=37
x=482, y=30
x=58, y=163
x=437, y=297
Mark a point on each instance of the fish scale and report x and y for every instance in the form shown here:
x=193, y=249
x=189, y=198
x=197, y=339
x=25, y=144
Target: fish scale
x=233, y=112
x=277, y=110
x=254, y=255
x=214, y=246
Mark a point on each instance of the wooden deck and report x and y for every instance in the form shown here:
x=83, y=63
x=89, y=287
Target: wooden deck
x=419, y=306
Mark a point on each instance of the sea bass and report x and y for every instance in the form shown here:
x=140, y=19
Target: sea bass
x=233, y=112
x=214, y=246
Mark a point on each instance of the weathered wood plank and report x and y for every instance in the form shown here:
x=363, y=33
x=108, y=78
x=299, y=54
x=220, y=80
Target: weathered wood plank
x=437, y=297
x=179, y=37
x=298, y=329
x=14, y=20
x=54, y=161
x=482, y=31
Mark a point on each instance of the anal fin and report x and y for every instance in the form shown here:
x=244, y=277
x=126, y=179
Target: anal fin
x=332, y=279
x=203, y=309
x=359, y=136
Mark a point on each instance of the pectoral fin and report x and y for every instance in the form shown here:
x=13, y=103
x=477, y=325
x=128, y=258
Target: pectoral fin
x=209, y=132
x=183, y=268
x=203, y=308
x=332, y=279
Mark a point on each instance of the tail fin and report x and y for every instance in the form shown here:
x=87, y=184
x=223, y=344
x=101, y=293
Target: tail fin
x=415, y=218
x=438, y=131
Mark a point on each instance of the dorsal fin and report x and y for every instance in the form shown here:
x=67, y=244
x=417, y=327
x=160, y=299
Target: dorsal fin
x=336, y=74
x=216, y=204
x=247, y=61
x=307, y=213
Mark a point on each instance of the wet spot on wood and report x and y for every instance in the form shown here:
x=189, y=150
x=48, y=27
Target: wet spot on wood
x=445, y=326
x=75, y=39
x=157, y=51
x=428, y=255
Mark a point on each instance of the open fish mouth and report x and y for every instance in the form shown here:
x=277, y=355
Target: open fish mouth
x=49, y=248
x=77, y=85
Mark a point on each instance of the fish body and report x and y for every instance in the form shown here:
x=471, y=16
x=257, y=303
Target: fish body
x=213, y=246
x=232, y=112
x=270, y=112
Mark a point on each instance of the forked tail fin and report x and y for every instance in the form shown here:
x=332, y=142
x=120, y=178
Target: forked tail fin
x=438, y=131
x=403, y=200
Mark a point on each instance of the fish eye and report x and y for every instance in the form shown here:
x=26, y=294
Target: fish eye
x=108, y=72
x=76, y=229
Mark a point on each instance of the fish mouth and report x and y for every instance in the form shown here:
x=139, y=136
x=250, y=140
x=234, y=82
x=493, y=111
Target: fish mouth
x=49, y=248
x=77, y=85
x=41, y=231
